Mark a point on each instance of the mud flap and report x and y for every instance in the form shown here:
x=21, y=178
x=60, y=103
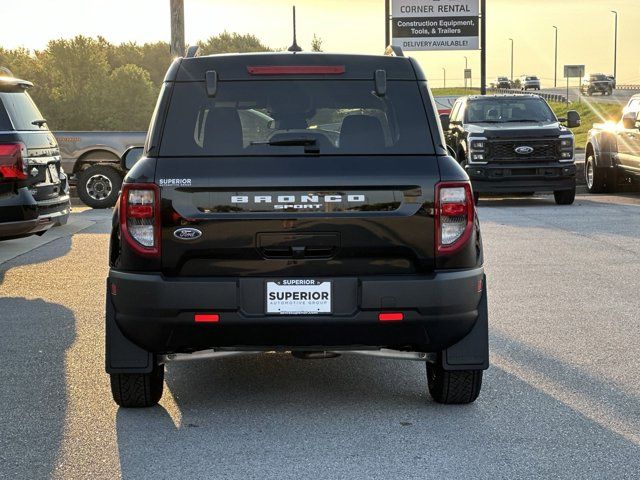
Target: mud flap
x=472, y=352
x=121, y=355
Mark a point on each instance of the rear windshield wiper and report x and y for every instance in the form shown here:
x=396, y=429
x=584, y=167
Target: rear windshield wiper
x=39, y=122
x=289, y=142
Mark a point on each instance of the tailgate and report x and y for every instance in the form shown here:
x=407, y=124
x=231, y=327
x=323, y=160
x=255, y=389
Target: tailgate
x=297, y=216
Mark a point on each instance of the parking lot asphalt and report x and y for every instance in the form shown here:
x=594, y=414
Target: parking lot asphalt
x=561, y=399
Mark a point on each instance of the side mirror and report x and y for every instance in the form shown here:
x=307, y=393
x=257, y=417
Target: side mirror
x=573, y=119
x=445, y=121
x=630, y=120
x=131, y=157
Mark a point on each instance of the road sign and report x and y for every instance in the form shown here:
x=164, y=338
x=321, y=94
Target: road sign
x=436, y=24
x=573, y=71
x=467, y=73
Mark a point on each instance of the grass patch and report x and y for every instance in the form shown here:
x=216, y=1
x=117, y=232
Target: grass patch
x=453, y=92
x=589, y=113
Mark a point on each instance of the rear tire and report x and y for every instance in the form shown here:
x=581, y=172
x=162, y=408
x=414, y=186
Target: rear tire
x=99, y=186
x=137, y=390
x=565, y=197
x=453, y=387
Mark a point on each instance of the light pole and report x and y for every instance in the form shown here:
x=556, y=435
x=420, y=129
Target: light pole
x=511, y=60
x=466, y=63
x=615, y=47
x=555, y=64
x=444, y=73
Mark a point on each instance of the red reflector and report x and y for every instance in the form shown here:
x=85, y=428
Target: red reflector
x=140, y=211
x=390, y=317
x=114, y=289
x=296, y=70
x=453, y=209
x=207, y=317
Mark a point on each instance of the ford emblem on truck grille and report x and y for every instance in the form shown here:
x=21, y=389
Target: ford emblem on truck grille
x=524, y=150
x=187, y=233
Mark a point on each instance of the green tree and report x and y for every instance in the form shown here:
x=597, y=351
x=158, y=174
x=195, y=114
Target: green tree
x=76, y=83
x=232, y=43
x=156, y=59
x=316, y=43
x=130, y=99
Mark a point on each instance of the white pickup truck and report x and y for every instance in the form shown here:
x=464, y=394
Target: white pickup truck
x=92, y=161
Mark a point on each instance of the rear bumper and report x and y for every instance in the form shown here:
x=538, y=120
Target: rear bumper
x=156, y=314
x=21, y=215
x=522, y=177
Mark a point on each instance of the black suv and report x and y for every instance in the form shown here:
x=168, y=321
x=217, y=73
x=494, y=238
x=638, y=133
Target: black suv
x=513, y=144
x=597, y=83
x=34, y=193
x=300, y=203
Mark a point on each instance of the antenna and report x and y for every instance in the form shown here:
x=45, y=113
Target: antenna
x=294, y=47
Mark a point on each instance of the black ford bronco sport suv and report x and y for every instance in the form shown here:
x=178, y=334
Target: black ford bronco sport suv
x=513, y=144
x=299, y=203
x=34, y=192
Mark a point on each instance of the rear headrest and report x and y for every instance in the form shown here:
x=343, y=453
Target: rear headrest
x=360, y=131
x=223, y=131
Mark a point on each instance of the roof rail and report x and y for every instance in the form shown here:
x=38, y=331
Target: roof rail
x=193, y=51
x=394, y=51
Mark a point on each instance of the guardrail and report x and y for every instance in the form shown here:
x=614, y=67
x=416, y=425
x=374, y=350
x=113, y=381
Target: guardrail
x=553, y=97
x=627, y=87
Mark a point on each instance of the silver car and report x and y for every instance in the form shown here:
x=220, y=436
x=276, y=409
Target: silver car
x=529, y=82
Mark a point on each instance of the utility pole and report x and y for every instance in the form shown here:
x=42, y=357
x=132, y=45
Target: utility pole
x=483, y=46
x=444, y=77
x=555, y=65
x=177, y=28
x=511, y=61
x=615, y=48
x=387, y=30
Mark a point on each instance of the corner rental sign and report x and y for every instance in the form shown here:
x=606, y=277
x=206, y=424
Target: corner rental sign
x=436, y=24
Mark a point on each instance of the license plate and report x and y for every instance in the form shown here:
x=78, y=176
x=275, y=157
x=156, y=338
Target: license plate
x=53, y=173
x=298, y=297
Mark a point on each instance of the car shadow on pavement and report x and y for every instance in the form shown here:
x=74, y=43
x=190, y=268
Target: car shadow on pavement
x=570, y=381
x=33, y=399
x=350, y=417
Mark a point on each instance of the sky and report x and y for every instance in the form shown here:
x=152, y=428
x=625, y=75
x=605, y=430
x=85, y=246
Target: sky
x=354, y=26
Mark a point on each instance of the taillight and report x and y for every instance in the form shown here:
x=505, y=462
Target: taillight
x=12, y=167
x=140, y=217
x=454, y=215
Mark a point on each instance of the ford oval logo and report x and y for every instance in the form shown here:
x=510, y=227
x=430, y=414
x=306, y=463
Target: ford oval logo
x=524, y=150
x=187, y=233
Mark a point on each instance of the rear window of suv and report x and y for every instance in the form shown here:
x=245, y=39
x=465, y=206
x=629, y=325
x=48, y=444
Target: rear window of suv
x=257, y=117
x=21, y=111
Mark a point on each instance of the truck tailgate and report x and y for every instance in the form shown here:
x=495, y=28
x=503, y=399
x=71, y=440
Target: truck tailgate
x=297, y=216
